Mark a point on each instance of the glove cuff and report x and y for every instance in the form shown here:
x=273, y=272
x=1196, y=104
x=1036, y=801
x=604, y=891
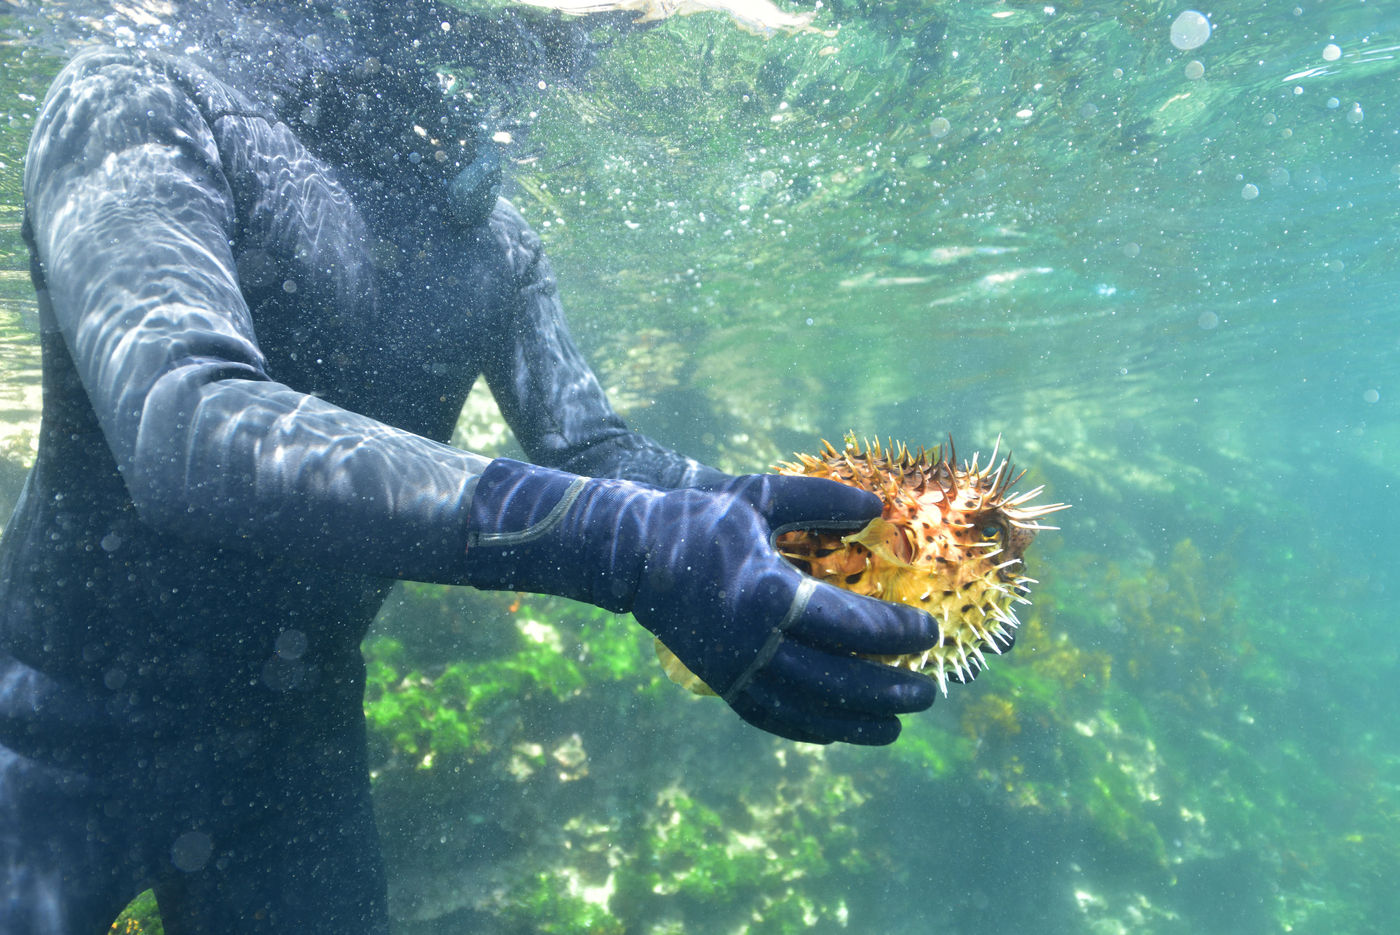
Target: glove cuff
x=514, y=507
x=536, y=529
x=516, y=503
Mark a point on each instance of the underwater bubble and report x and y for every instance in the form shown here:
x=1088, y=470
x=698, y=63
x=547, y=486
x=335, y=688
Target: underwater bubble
x=415, y=157
x=1207, y=321
x=1371, y=396
x=1131, y=249
x=111, y=542
x=1249, y=192
x=291, y=644
x=1190, y=30
x=1194, y=70
x=289, y=286
x=1331, y=52
x=1333, y=103
x=1278, y=175
x=1355, y=115
x=114, y=679
x=938, y=127
x=191, y=851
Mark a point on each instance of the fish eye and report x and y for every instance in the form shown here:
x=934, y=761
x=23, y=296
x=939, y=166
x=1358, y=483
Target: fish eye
x=991, y=531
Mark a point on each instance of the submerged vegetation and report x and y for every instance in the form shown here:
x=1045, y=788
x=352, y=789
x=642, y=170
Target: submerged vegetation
x=1123, y=729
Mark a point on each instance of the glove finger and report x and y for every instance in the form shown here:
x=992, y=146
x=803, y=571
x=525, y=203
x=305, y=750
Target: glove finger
x=798, y=502
x=774, y=723
x=860, y=686
x=784, y=710
x=842, y=622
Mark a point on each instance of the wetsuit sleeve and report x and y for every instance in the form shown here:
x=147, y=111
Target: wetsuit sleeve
x=131, y=216
x=548, y=393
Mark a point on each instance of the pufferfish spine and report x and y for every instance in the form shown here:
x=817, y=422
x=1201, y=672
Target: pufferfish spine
x=951, y=540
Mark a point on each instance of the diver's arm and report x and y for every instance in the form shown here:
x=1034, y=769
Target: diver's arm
x=131, y=216
x=697, y=568
x=548, y=393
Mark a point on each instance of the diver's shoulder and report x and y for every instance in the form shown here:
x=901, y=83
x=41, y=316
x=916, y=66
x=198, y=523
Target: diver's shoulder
x=124, y=67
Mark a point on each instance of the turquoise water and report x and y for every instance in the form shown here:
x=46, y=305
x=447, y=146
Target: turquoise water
x=1165, y=277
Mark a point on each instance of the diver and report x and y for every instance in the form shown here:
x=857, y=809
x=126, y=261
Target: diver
x=271, y=263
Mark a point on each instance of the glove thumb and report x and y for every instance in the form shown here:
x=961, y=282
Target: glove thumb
x=798, y=502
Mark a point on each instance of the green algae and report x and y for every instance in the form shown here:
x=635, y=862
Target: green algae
x=140, y=917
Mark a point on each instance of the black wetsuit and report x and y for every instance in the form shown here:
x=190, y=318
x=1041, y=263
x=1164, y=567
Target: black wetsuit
x=252, y=357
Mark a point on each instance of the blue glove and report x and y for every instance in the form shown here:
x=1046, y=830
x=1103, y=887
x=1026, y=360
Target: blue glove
x=698, y=569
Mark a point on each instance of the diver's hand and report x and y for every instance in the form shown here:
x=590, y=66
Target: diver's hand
x=774, y=643
x=698, y=569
